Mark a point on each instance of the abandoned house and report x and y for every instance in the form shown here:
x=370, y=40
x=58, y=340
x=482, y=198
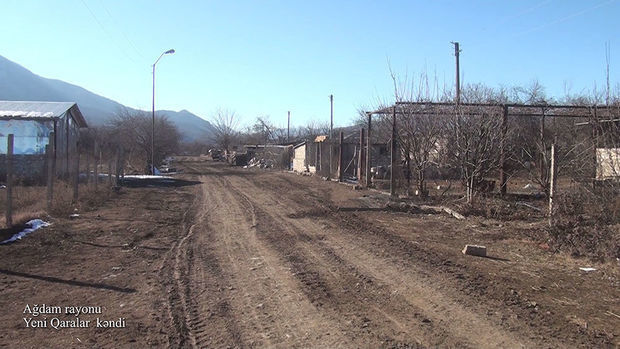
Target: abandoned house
x=315, y=157
x=31, y=124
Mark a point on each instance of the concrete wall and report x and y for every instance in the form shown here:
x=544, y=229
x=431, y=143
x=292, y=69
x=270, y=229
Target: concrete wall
x=299, y=158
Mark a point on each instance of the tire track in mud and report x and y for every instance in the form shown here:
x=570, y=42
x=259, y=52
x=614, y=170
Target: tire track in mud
x=177, y=318
x=285, y=317
x=338, y=289
x=185, y=289
x=457, y=324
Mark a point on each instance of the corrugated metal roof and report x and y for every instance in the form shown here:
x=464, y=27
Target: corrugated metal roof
x=30, y=109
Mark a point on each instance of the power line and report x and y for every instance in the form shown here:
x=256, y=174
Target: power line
x=107, y=33
x=565, y=18
x=121, y=29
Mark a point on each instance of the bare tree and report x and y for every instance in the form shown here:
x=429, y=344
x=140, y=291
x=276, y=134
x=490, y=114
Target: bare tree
x=133, y=130
x=473, y=137
x=225, y=123
x=418, y=133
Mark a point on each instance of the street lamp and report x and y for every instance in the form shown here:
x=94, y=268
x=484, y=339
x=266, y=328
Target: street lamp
x=169, y=52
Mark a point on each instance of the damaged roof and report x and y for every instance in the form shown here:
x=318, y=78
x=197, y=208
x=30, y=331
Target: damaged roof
x=44, y=110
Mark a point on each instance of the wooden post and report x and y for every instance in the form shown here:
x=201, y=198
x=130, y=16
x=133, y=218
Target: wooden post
x=50, y=171
x=53, y=136
x=96, y=169
x=360, y=170
x=118, y=167
x=87, y=166
x=76, y=173
x=502, y=156
x=368, y=153
x=595, y=136
x=9, y=181
x=67, y=169
x=393, y=155
x=110, y=171
x=551, y=184
x=340, y=158
x=543, y=148
x=331, y=136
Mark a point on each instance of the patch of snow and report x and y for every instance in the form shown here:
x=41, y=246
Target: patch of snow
x=147, y=177
x=33, y=225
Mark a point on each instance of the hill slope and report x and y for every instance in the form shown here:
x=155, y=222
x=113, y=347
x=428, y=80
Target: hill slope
x=19, y=84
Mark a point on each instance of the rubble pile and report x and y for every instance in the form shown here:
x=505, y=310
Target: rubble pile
x=260, y=163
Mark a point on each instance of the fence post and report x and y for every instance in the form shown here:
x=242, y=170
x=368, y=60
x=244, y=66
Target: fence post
x=502, y=156
x=87, y=166
x=552, y=184
x=9, y=181
x=118, y=167
x=368, y=153
x=50, y=171
x=76, y=172
x=110, y=171
x=543, y=148
x=340, y=158
x=393, y=155
x=360, y=171
x=96, y=169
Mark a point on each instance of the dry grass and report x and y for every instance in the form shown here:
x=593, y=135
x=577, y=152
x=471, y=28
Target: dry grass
x=30, y=202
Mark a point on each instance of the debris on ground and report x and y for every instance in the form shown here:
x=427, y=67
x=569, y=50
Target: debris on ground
x=260, y=163
x=587, y=269
x=475, y=250
x=414, y=208
x=31, y=226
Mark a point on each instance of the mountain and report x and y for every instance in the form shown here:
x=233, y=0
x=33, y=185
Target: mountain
x=19, y=84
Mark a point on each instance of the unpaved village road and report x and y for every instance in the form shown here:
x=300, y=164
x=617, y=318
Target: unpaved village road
x=244, y=258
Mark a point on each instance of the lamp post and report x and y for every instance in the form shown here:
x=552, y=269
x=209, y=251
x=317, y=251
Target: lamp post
x=169, y=52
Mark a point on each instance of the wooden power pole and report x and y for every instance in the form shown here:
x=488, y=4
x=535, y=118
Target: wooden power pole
x=393, y=155
x=458, y=75
x=331, y=128
x=368, y=152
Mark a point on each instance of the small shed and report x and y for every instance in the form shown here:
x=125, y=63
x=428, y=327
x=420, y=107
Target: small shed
x=31, y=124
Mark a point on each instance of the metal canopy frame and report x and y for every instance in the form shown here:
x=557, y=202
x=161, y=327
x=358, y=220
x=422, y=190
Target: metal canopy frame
x=596, y=114
x=513, y=109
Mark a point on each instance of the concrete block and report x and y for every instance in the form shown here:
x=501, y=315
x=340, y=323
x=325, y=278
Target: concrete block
x=475, y=250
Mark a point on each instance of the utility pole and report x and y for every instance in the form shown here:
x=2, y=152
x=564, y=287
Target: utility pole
x=331, y=128
x=458, y=75
x=393, y=155
x=368, y=151
x=288, y=127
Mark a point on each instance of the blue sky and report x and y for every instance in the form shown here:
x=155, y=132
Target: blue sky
x=268, y=57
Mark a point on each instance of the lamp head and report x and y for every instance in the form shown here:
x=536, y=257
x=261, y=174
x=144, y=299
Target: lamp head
x=171, y=51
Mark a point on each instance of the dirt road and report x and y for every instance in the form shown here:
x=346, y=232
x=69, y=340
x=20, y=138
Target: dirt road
x=270, y=259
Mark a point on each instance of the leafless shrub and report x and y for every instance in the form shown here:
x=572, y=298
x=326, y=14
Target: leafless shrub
x=225, y=123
